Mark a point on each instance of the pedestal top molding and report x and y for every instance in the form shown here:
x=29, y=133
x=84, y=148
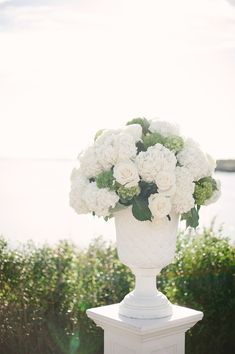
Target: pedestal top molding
x=180, y=321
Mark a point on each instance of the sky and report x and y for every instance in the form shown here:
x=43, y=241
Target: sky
x=69, y=68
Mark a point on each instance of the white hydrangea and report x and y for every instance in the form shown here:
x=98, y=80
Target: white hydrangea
x=106, y=149
x=114, y=146
x=163, y=127
x=125, y=146
x=192, y=157
x=89, y=164
x=77, y=203
x=78, y=179
x=216, y=194
x=159, y=205
x=135, y=130
x=126, y=173
x=183, y=200
x=157, y=158
x=78, y=185
x=211, y=164
x=99, y=200
x=114, y=152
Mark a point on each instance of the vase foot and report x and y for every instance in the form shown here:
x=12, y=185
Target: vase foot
x=145, y=307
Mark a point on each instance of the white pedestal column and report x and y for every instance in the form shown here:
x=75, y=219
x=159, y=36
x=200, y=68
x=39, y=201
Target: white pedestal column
x=124, y=335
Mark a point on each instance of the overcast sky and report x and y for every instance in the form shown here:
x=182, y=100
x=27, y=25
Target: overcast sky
x=69, y=68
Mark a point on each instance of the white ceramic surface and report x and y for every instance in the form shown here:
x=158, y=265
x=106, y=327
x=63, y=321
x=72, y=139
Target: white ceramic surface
x=146, y=247
x=123, y=335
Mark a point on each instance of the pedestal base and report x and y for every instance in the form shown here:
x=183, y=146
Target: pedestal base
x=155, y=306
x=124, y=335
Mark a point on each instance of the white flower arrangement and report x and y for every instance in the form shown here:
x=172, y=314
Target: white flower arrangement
x=148, y=166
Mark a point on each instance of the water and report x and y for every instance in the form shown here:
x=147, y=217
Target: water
x=34, y=205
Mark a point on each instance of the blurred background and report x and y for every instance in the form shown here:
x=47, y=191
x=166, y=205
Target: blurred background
x=69, y=68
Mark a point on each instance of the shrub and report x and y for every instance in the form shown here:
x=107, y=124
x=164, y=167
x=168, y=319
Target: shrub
x=203, y=277
x=44, y=293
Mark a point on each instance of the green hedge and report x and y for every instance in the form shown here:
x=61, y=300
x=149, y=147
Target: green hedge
x=45, y=291
x=203, y=277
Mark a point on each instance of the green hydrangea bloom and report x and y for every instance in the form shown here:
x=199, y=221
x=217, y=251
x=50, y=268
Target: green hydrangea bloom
x=127, y=194
x=141, y=121
x=174, y=143
x=98, y=134
x=106, y=180
x=153, y=139
x=203, y=190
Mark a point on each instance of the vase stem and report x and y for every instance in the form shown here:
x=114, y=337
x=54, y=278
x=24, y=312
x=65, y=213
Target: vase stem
x=145, y=282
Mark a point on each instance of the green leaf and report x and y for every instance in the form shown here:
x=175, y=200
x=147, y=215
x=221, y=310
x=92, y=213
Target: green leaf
x=140, y=209
x=118, y=207
x=152, y=139
x=140, y=147
x=141, y=121
x=191, y=217
x=125, y=202
x=147, y=188
x=107, y=218
x=106, y=180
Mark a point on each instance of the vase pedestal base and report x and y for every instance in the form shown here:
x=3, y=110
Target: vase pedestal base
x=123, y=335
x=145, y=307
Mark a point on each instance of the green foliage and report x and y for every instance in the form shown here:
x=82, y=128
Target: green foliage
x=204, y=189
x=202, y=277
x=152, y=139
x=127, y=194
x=174, y=143
x=44, y=293
x=140, y=209
x=106, y=180
x=141, y=121
x=147, y=188
x=99, y=133
x=140, y=147
x=191, y=217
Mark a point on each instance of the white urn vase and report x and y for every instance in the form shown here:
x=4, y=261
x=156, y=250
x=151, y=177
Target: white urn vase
x=145, y=247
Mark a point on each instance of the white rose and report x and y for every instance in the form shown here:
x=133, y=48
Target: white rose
x=126, y=173
x=164, y=128
x=216, y=194
x=160, y=221
x=135, y=130
x=165, y=180
x=159, y=205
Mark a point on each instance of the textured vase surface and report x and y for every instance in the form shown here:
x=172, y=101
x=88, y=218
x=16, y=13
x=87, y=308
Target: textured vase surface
x=145, y=247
